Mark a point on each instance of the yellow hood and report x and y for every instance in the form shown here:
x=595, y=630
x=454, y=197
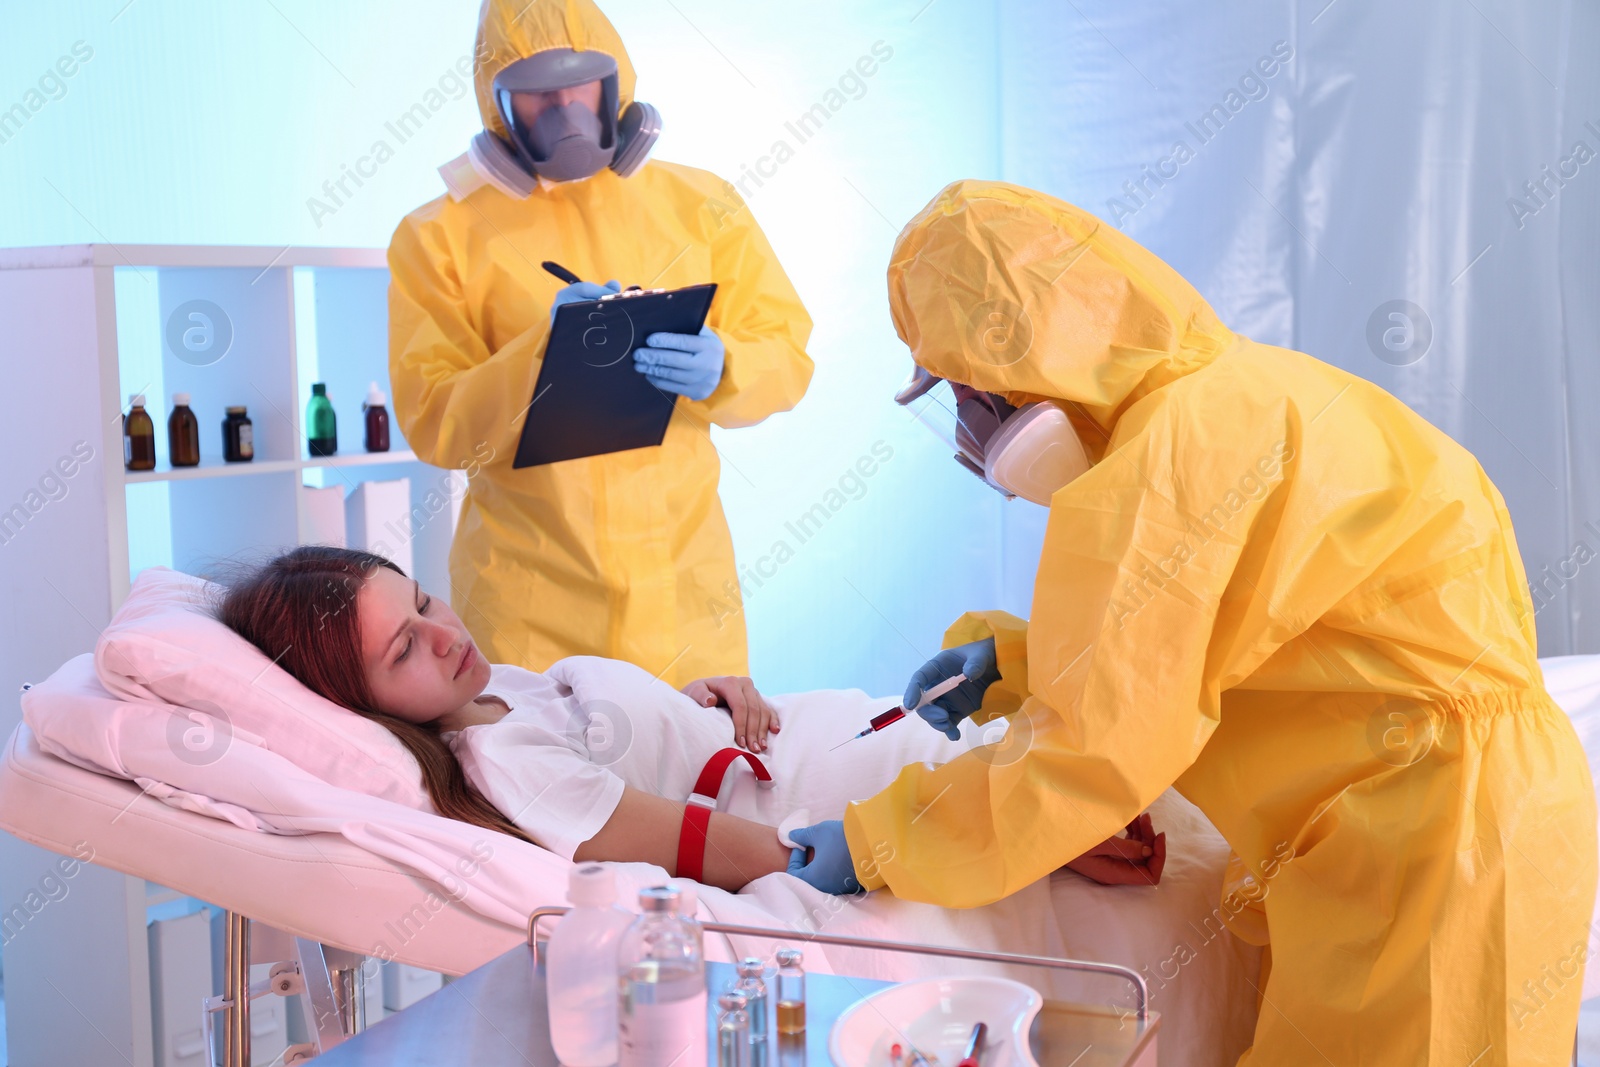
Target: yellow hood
x=509, y=30
x=1015, y=292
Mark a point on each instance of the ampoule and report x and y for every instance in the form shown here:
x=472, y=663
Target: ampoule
x=733, y=1031
x=791, y=992
x=753, y=984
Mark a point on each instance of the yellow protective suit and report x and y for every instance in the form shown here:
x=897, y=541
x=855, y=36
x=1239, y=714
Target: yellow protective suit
x=1283, y=591
x=626, y=555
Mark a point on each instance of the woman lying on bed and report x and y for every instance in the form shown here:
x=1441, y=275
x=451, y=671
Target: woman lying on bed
x=588, y=779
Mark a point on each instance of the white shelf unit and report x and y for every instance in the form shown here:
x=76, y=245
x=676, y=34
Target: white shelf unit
x=81, y=328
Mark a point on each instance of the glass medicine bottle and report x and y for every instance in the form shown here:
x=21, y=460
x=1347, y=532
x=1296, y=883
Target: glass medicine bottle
x=753, y=985
x=322, y=429
x=183, y=433
x=138, y=436
x=791, y=992
x=733, y=1030
x=377, y=419
x=238, y=436
x=662, y=1011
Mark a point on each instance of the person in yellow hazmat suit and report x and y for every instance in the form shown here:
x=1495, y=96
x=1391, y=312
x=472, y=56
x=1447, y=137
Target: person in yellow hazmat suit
x=626, y=555
x=1272, y=585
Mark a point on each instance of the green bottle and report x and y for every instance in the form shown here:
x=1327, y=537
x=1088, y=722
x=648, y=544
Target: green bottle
x=321, y=427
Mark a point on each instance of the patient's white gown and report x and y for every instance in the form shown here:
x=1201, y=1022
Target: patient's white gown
x=557, y=763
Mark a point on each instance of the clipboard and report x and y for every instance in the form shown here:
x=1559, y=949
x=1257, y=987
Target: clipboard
x=589, y=401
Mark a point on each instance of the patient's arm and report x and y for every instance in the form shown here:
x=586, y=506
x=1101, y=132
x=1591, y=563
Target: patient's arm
x=644, y=829
x=1137, y=859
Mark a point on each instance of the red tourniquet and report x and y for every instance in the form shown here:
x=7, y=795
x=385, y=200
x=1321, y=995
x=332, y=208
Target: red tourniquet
x=702, y=802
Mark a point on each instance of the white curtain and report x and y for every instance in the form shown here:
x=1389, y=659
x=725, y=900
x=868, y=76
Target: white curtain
x=1410, y=191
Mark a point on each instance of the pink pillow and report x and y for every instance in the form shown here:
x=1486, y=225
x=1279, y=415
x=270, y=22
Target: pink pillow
x=166, y=645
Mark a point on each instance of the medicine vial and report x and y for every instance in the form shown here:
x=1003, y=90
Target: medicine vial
x=733, y=1031
x=322, y=429
x=752, y=984
x=138, y=436
x=662, y=983
x=791, y=992
x=238, y=436
x=377, y=419
x=183, y=433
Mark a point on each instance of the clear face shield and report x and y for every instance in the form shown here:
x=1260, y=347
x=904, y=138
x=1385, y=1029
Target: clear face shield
x=1029, y=451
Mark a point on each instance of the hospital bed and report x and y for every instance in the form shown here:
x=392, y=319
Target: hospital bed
x=324, y=890
x=372, y=876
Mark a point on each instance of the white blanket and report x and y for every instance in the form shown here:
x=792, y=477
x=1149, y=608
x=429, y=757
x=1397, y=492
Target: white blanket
x=1574, y=682
x=76, y=719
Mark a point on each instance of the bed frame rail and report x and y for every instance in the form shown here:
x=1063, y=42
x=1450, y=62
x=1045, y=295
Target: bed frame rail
x=1141, y=992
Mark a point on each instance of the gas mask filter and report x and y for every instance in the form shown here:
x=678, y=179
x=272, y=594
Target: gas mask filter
x=1029, y=451
x=565, y=143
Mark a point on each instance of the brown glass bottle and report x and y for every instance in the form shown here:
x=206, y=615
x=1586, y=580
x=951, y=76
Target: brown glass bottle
x=238, y=436
x=377, y=418
x=183, y=433
x=138, y=437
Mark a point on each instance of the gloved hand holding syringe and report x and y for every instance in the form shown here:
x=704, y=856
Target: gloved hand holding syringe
x=898, y=712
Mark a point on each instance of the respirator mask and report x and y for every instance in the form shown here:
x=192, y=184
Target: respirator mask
x=564, y=141
x=1029, y=451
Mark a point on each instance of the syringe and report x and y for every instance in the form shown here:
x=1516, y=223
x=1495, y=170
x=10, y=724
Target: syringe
x=895, y=714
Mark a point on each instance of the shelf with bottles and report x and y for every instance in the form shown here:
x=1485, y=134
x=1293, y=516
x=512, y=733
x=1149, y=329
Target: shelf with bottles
x=261, y=335
x=225, y=337
x=342, y=343
x=255, y=338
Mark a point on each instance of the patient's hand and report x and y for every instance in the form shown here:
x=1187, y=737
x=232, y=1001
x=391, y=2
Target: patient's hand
x=753, y=717
x=1133, y=860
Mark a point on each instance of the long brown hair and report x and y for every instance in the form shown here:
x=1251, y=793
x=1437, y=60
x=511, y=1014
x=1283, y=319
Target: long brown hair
x=300, y=609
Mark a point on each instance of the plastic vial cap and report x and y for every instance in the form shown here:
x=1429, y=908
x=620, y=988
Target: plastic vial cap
x=319, y=389
x=375, y=397
x=237, y=409
x=181, y=399
x=136, y=400
x=688, y=896
x=731, y=1001
x=589, y=885
x=751, y=967
x=789, y=957
x=658, y=898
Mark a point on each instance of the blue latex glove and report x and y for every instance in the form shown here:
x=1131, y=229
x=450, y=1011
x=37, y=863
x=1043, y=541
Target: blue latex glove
x=577, y=291
x=977, y=662
x=831, y=868
x=685, y=363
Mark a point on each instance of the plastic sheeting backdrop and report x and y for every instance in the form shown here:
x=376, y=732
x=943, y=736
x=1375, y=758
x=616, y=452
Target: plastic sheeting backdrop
x=1410, y=191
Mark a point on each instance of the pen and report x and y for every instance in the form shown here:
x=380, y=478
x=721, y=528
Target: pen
x=567, y=276
x=560, y=272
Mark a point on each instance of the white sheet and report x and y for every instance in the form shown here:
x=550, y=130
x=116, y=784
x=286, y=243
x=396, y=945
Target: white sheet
x=1574, y=682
